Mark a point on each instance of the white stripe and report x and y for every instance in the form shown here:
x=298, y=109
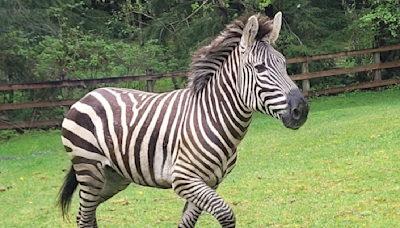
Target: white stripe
x=81, y=132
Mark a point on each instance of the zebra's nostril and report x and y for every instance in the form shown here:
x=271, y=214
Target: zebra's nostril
x=296, y=114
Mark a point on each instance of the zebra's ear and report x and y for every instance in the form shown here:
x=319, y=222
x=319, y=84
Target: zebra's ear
x=276, y=28
x=249, y=33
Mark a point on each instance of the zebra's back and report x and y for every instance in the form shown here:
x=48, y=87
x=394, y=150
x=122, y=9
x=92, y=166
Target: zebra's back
x=131, y=131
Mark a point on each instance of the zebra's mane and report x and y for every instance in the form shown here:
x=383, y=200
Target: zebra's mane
x=208, y=59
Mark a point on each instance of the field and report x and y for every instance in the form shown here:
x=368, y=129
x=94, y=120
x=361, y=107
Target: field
x=341, y=169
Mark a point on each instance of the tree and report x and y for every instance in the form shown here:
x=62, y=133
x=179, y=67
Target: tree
x=376, y=23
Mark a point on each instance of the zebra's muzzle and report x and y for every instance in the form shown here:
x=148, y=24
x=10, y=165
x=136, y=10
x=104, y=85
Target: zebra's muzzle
x=297, y=110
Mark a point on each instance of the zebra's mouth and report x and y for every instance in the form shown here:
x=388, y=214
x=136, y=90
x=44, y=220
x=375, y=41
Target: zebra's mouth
x=294, y=125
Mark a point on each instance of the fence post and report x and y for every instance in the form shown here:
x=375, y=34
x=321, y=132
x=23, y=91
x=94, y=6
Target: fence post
x=150, y=83
x=64, y=92
x=305, y=82
x=377, y=59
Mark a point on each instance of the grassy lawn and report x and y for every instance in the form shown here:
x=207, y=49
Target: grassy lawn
x=341, y=169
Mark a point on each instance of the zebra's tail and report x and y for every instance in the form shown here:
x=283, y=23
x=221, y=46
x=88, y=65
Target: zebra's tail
x=66, y=191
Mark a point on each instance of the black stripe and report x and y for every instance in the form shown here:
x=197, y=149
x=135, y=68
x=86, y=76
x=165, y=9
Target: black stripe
x=77, y=141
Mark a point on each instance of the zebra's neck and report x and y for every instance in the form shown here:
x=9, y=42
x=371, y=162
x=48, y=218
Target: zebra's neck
x=221, y=102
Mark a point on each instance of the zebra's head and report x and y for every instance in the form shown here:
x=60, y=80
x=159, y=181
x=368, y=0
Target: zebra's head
x=263, y=81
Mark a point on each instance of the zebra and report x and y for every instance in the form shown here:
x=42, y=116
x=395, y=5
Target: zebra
x=185, y=139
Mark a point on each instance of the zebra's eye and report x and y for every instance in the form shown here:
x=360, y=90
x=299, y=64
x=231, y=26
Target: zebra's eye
x=260, y=68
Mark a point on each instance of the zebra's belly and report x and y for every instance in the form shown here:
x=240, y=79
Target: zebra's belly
x=152, y=169
x=146, y=161
x=157, y=177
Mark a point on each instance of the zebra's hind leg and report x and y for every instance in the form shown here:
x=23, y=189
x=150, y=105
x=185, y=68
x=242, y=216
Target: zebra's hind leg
x=97, y=184
x=203, y=197
x=91, y=182
x=113, y=184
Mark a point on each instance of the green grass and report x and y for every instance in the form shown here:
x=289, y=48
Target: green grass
x=341, y=169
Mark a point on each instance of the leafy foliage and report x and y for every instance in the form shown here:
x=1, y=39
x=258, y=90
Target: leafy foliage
x=385, y=16
x=54, y=40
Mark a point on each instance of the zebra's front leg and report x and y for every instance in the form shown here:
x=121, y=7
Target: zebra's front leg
x=190, y=215
x=201, y=197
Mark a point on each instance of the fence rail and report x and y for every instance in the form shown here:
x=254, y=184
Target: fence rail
x=86, y=82
x=39, y=104
x=320, y=74
x=151, y=78
x=29, y=124
x=343, y=54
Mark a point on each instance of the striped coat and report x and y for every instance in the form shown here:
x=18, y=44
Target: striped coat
x=185, y=139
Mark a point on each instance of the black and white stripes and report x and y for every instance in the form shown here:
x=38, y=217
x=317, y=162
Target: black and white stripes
x=185, y=139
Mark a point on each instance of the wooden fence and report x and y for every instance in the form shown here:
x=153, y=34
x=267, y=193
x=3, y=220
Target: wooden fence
x=375, y=67
x=304, y=77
